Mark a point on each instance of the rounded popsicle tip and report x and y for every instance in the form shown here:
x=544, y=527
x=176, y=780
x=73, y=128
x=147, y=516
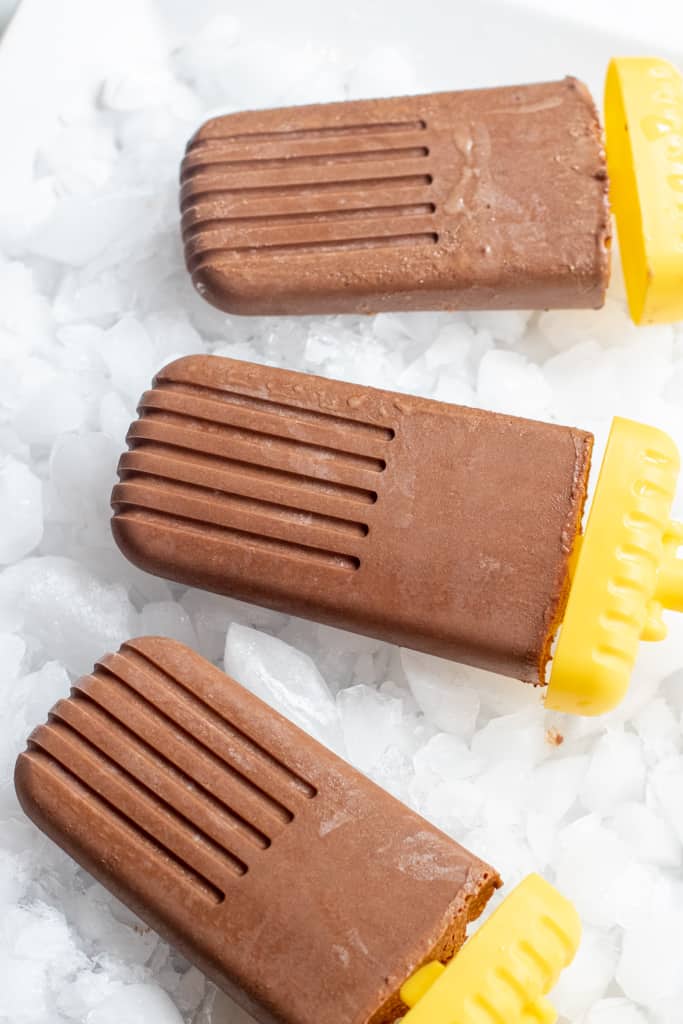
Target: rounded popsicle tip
x=626, y=573
x=644, y=132
x=507, y=968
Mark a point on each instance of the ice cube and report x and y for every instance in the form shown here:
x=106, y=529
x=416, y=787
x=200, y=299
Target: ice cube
x=666, y=783
x=444, y=691
x=614, y=1011
x=648, y=835
x=40, y=690
x=519, y=737
x=211, y=615
x=75, y=616
x=13, y=879
x=128, y=354
x=556, y=784
x=506, y=848
x=658, y=730
x=23, y=994
x=136, y=1004
x=83, y=471
x=509, y=383
x=167, y=618
x=82, y=226
x=54, y=407
x=445, y=757
x=115, y=418
x=12, y=654
x=589, y=861
x=191, y=990
x=284, y=678
x=21, y=510
x=454, y=805
x=647, y=972
x=506, y=325
x=540, y=835
x=588, y=977
x=371, y=723
x=616, y=773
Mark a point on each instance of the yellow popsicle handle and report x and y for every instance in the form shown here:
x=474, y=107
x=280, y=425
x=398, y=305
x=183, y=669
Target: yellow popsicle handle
x=504, y=972
x=670, y=578
x=626, y=572
x=644, y=133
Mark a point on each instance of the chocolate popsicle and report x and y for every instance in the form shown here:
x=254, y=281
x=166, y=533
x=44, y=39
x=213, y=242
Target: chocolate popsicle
x=437, y=527
x=295, y=883
x=449, y=530
x=480, y=199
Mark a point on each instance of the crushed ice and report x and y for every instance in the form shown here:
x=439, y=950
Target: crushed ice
x=95, y=299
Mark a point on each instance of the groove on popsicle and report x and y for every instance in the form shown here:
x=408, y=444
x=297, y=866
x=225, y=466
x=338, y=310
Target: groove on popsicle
x=248, y=745
x=262, y=208
x=193, y=833
x=190, y=195
x=209, y=256
x=359, y=213
x=177, y=455
x=143, y=805
x=314, y=417
x=179, y=727
x=322, y=132
x=244, y=538
x=183, y=491
x=257, y=452
x=192, y=167
x=171, y=461
x=162, y=765
x=195, y=423
x=186, y=874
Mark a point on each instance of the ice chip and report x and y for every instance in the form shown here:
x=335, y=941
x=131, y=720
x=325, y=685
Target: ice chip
x=440, y=689
x=445, y=757
x=371, y=723
x=556, y=785
x=21, y=510
x=647, y=972
x=283, y=677
x=68, y=610
x=588, y=978
x=167, y=618
x=666, y=783
x=509, y=383
x=648, y=835
x=614, y=1011
x=616, y=773
x=136, y=1004
x=81, y=227
x=589, y=860
x=54, y=407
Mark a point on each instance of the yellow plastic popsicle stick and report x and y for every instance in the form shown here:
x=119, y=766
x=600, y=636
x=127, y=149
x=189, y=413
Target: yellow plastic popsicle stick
x=644, y=131
x=627, y=571
x=504, y=972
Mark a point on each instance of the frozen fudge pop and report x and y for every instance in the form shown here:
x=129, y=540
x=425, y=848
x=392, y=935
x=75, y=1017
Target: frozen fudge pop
x=446, y=529
x=299, y=886
x=481, y=199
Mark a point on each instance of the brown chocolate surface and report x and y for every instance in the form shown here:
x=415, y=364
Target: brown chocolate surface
x=433, y=526
x=482, y=199
x=299, y=886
